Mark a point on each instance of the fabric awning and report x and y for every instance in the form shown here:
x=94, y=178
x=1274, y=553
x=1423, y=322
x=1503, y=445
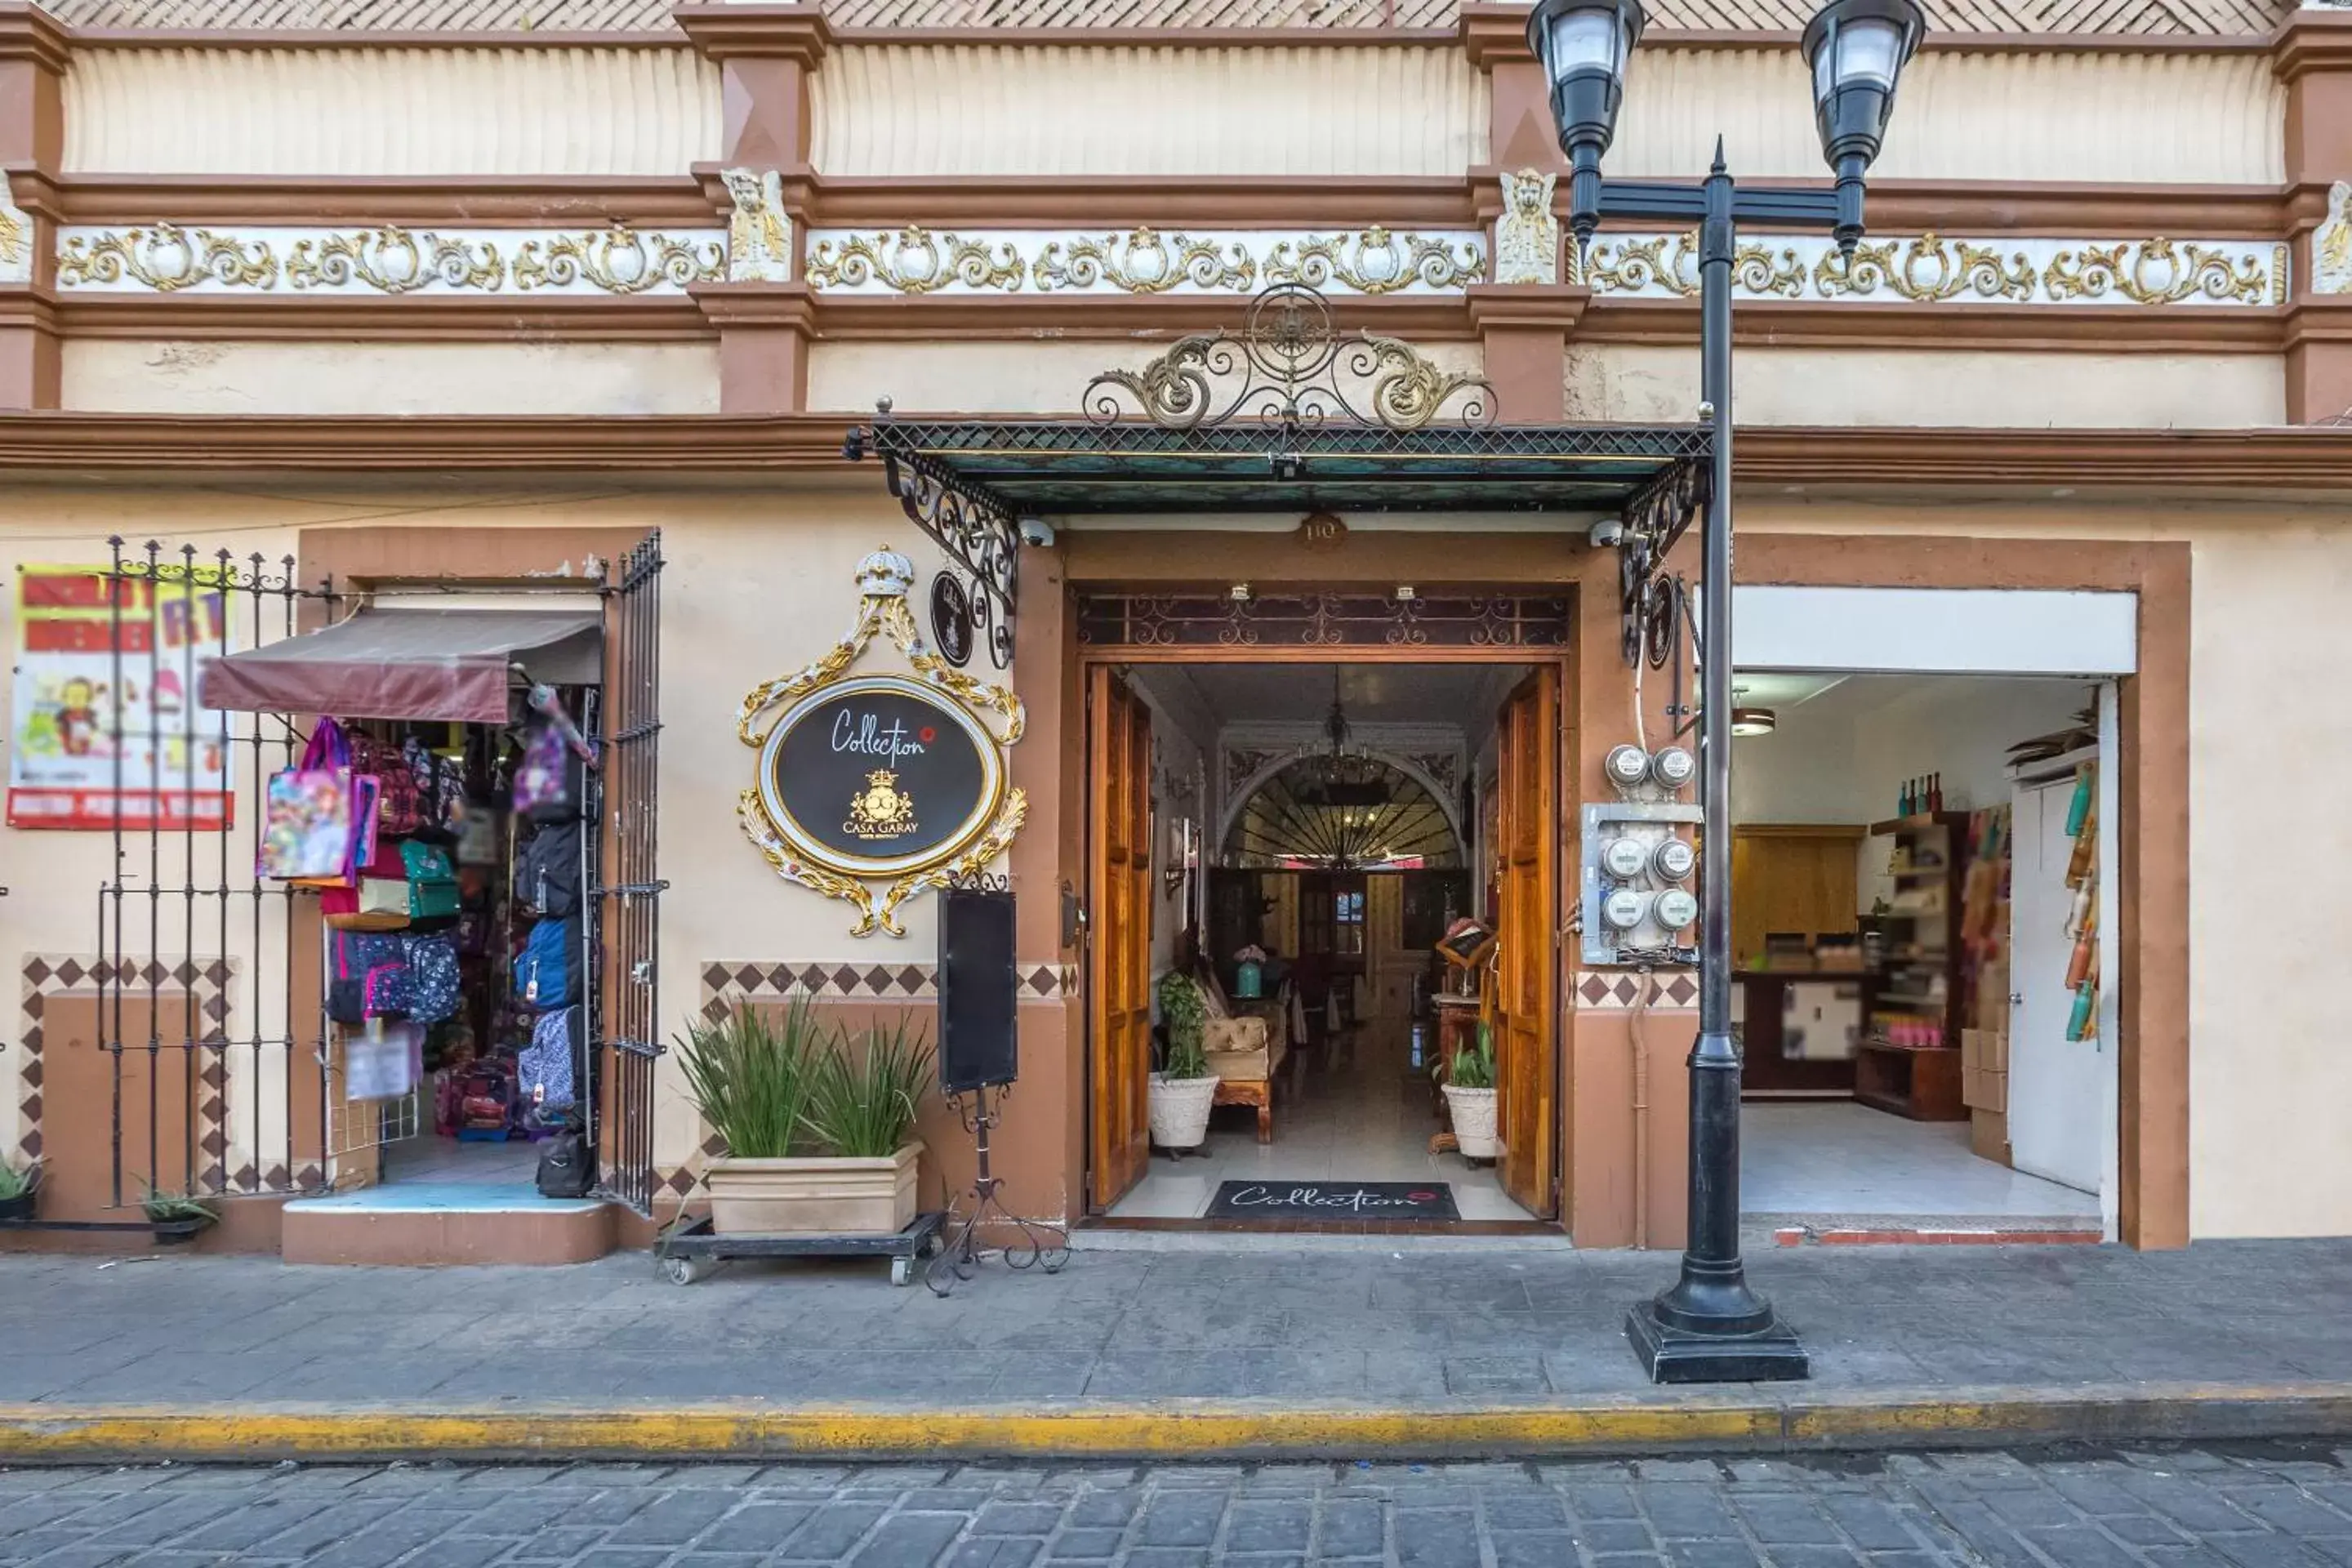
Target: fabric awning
x=453, y=665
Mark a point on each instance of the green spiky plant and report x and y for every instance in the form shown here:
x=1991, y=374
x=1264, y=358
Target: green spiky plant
x=1185, y=1011
x=1473, y=1065
x=171, y=1208
x=752, y=1077
x=862, y=1103
x=15, y=1183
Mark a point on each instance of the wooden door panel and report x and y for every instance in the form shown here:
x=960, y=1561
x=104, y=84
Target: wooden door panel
x=1119, y=994
x=1528, y=835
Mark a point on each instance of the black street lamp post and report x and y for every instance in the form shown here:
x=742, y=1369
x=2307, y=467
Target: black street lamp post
x=1709, y=1327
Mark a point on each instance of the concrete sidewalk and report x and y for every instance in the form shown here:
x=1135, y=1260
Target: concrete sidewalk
x=1299, y=1352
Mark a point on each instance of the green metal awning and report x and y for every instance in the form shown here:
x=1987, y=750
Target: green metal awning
x=1050, y=469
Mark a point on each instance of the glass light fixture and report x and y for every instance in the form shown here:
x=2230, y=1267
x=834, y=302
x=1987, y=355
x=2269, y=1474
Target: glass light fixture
x=1583, y=46
x=1856, y=50
x=1750, y=721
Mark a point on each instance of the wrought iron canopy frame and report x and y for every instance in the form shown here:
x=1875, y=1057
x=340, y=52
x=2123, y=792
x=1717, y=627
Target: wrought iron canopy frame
x=1284, y=415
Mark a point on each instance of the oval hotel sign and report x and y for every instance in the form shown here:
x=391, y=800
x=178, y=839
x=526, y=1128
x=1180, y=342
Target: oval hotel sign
x=878, y=775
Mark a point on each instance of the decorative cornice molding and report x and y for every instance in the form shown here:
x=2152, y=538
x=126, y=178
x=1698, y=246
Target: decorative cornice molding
x=2312, y=39
x=2222, y=465
x=915, y=261
x=1931, y=269
x=386, y=259
x=31, y=33
x=751, y=31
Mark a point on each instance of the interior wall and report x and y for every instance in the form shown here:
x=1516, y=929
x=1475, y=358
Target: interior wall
x=1179, y=789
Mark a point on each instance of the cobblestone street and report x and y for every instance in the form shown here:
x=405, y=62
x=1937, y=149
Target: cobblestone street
x=2273, y=1504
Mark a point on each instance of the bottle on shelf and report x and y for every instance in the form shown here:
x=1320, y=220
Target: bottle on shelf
x=1935, y=791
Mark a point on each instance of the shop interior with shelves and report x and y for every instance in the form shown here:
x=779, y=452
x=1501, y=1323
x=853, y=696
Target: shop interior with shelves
x=1918, y=866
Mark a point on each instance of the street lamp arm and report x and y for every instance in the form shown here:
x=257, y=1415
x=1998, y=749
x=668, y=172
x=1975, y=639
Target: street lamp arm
x=1658, y=201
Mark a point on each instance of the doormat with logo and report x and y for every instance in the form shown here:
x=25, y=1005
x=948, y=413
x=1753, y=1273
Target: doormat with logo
x=1333, y=1201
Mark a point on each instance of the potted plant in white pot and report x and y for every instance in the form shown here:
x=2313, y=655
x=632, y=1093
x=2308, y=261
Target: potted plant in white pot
x=1184, y=1088
x=1470, y=1098
x=817, y=1143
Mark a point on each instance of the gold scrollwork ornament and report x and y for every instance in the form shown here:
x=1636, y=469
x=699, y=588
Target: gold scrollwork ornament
x=394, y=260
x=167, y=259
x=914, y=260
x=619, y=260
x=1926, y=270
x=884, y=579
x=1142, y=261
x=2157, y=272
x=1375, y=261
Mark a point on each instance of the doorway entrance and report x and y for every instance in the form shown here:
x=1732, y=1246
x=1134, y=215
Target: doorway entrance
x=1922, y=902
x=1295, y=836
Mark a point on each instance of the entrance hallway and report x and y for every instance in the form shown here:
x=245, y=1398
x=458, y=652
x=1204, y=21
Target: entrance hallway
x=1352, y=1123
x=1844, y=1158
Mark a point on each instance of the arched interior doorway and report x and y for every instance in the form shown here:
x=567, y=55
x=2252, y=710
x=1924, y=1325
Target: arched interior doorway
x=1358, y=812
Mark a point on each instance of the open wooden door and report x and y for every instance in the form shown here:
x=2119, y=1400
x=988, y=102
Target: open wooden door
x=1119, y=988
x=1527, y=833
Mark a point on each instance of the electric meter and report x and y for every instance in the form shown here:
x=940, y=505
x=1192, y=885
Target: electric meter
x=1624, y=859
x=1626, y=766
x=1675, y=860
x=1677, y=908
x=1672, y=767
x=1624, y=908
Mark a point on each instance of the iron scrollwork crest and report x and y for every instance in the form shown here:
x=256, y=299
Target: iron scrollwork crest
x=980, y=536
x=1287, y=365
x=1654, y=519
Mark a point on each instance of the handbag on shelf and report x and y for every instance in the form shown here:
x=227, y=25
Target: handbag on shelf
x=432, y=880
x=307, y=815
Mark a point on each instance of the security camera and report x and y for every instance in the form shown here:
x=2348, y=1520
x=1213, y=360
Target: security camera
x=1608, y=531
x=1036, y=531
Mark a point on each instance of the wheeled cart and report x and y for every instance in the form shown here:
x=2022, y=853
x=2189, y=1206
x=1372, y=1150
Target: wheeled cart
x=691, y=1249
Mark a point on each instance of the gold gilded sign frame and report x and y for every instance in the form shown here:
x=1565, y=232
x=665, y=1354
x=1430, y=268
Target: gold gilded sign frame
x=884, y=579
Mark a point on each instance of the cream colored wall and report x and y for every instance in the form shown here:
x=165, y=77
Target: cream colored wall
x=54, y=876
x=938, y=108
x=134, y=376
x=375, y=111
x=1006, y=377
x=2003, y=389
x=2268, y=1077
x=2162, y=117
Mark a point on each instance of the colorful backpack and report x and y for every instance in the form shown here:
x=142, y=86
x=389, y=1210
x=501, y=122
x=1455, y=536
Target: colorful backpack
x=548, y=877
x=550, y=783
x=546, y=1064
x=547, y=970
x=367, y=976
x=398, y=809
x=432, y=975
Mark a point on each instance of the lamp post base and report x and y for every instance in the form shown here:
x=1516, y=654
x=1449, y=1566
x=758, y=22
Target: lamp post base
x=1669, y=1354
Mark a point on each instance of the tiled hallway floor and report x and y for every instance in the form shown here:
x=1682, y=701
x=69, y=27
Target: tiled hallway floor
x=1838, y=1157
x=1352, y=1123
x=429, y=1157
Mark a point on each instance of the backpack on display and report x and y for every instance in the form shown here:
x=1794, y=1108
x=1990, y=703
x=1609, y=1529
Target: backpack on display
x=549, y=880
x=432, y=880
x=367, y=976
x=549, y=781
x=567, y=1165
x=547, y=970
x=440, y=788
x=433, y=982
x=398, y=809
x=547, y=1065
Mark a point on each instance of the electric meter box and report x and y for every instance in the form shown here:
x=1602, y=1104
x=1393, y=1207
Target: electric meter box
x=1621, y=854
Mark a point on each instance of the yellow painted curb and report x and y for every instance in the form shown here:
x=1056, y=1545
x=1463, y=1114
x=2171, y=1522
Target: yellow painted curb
x=1787, y=1418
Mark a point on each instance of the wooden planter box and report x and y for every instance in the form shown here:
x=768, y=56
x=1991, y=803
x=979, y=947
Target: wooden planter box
x=813, y=1197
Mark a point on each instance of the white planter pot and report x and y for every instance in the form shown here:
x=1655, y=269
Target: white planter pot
x=1179, y=1110
x=813, y=1197
x=1474, y=1122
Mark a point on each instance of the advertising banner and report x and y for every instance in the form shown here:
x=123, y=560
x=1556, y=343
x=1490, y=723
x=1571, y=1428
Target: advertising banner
x=106, y=680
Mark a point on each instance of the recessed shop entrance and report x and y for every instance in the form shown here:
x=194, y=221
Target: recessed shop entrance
x=1291, y=839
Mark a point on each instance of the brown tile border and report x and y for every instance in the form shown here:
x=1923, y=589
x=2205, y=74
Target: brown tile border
x=47, y=974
